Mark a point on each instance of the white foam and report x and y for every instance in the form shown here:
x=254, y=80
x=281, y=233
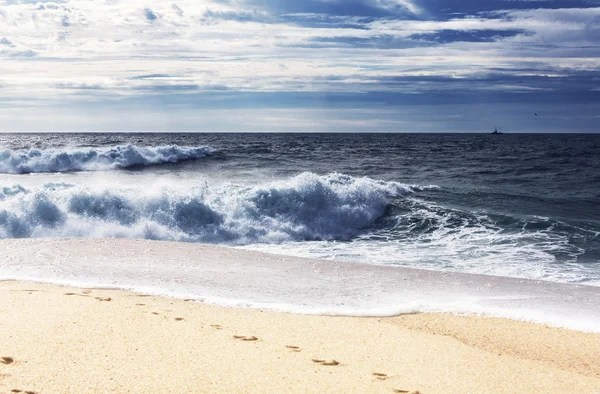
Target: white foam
x=95, y=159
x=305, y=207
x=233, y=277
x=333, y=216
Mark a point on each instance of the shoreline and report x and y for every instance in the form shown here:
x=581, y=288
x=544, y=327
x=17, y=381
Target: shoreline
x=71, y=340
x=241, y=278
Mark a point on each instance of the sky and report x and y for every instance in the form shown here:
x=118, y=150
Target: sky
x=293, y=65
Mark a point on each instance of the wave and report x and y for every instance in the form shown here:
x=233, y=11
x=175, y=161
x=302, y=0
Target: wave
x=96, y=159
x=345, y=218
x=305, y=207
x=422, y=235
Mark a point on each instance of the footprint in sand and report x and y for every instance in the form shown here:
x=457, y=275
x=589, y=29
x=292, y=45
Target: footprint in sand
x=75, y=294
x=294, y=348
x=380, y=376
x=21, y=391
x=86, y=295
x=7, y=360
x=406, y=391
x=164, y=316
x=331, y=363
x=246, y=339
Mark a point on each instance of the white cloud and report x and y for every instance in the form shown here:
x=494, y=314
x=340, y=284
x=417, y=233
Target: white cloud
x=409, y=5
x=98, y=49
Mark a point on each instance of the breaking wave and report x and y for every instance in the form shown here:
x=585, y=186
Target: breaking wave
x=347, y=218
x=96, y=159
x=305, y=207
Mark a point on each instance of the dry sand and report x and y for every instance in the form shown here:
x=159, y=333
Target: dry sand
x=64, y=340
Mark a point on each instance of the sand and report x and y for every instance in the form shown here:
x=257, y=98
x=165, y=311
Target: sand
x=64, y=340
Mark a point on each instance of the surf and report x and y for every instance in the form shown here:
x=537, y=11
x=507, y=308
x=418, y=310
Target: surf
x=96, y=159
x=302, y=208
x=240, y=278
x=328, y=216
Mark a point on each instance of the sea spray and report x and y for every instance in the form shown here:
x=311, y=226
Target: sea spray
x=304, y=207
x=96, y=159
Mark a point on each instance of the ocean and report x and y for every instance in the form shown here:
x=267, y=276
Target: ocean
x=512, y=206
x=524, y=206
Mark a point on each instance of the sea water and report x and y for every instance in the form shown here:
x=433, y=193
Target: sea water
x=520, y=206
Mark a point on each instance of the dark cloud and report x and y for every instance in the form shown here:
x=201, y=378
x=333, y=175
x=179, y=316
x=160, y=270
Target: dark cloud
x=332, y=7
x=448, y=36
x=448, y=9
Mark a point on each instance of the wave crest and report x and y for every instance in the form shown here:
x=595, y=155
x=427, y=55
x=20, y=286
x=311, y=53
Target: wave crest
x=305, y=207
x=96, y=159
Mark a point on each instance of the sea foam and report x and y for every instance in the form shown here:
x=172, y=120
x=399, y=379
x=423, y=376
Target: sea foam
x=240, y=278
x=96, y=159
x=305, y=207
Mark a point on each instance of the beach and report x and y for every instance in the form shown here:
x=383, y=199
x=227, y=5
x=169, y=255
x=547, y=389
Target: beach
x=61, y=339
x=279, y=196
x=69, y=340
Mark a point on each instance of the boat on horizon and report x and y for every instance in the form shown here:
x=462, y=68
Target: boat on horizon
x=496, y=131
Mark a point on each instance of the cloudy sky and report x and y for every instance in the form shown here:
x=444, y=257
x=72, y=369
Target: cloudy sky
x=294, y=65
